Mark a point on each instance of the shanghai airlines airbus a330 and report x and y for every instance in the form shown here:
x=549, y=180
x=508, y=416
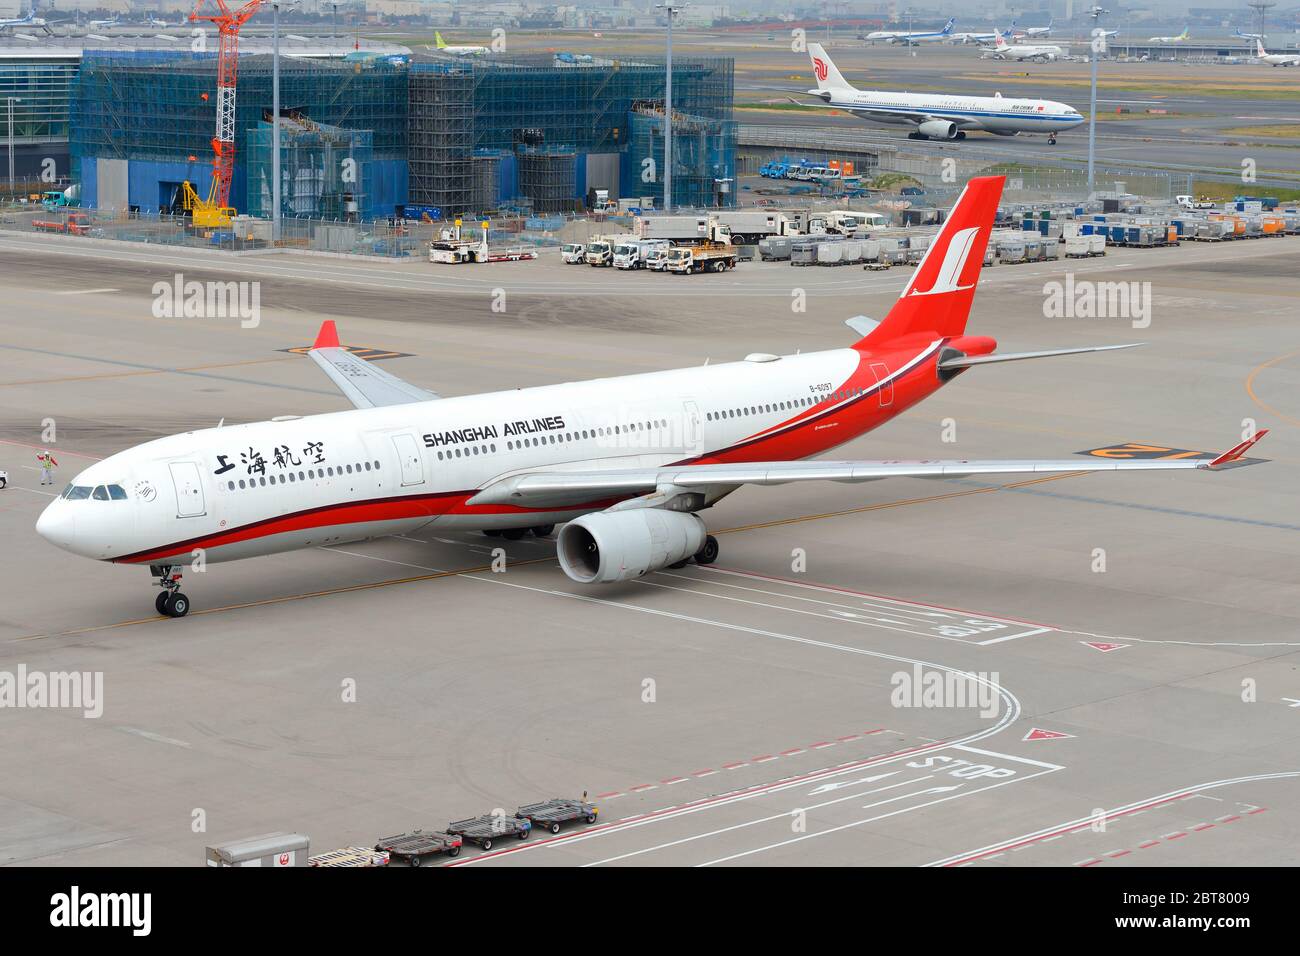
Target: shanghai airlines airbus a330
x=628, y=463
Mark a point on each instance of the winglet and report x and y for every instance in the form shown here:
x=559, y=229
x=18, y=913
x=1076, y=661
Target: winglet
x=1235, y=453
x=327, y=337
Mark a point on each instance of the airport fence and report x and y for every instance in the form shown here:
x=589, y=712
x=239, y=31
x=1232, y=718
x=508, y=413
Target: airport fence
x=382, y=238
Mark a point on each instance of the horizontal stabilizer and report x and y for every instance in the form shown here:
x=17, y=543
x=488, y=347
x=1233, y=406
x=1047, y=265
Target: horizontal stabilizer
x=862, y=325
x=964, y=361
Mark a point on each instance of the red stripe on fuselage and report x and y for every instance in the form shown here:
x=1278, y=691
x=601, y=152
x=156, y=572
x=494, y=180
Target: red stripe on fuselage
x=809, y=433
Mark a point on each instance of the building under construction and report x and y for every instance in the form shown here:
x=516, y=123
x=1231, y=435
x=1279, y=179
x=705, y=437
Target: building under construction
x=142, y=123
x=364, y=134
x=535, y=131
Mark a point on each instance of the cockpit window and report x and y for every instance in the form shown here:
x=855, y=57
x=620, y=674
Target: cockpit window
x=98, y=493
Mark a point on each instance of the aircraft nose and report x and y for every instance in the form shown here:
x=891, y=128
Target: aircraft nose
x=56, y=525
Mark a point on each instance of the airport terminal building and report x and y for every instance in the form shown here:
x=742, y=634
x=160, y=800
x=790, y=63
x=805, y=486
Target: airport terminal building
x=366, y=132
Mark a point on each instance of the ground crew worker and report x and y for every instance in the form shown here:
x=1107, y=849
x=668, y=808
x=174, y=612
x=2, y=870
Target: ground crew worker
x=48, y=464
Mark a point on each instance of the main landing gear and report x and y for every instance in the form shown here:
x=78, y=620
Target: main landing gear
x=170, y=601
x=706, y=555
x=1051, y=139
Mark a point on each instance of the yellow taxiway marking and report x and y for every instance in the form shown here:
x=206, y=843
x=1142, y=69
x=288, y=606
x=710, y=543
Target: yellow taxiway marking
x=1250, y=386
x=143, y=371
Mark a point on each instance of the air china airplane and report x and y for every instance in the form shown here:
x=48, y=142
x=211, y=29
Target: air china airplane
x=629, y=462
x=936, y=115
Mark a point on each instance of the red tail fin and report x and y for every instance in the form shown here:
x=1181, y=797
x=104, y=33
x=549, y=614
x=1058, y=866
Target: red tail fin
x=938, y=297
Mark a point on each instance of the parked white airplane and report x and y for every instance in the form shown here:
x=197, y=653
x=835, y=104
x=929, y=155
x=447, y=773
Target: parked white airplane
x=1002, y=50
x=102, y=24
x=938, y=115
x=1178, y=39
x=914, y=36
x=627, y=462
x=157, y=23
x=442, y=47
x=1275, y=59
x=31, y=20
x=983, y=37
x=1040, y=31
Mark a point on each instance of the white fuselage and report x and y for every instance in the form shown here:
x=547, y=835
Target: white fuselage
x=1028, y=51
x=992, y=114
x=244, y=490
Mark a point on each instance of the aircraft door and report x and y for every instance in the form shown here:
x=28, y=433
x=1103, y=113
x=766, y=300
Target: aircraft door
x=885, y=394
x=189, y=489
x=692, y=429
x=408, y=453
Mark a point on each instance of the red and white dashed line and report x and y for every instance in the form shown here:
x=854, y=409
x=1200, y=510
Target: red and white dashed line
x=1170, y=837
x=1085, y=823
x=738, y=764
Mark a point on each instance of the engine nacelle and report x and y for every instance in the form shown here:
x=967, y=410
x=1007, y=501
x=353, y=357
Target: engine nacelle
x=621, y=545
x=938, y=129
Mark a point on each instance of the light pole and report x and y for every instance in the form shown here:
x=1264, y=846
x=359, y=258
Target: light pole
x=10, y=101
x=670, y=8
x=1096, y=45
x=275, y=117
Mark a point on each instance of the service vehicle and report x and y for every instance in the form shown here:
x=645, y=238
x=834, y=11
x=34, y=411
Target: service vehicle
x=681, y=229
x=632, y=254
x=747, y=226
x=413, y=847
x=600, y=251
x=349, y=856
x=573, y=253
x=549, y=814
x=705, y=257
x=490, y=827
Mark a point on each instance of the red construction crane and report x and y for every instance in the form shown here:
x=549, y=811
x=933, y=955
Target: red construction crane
x=223, y=144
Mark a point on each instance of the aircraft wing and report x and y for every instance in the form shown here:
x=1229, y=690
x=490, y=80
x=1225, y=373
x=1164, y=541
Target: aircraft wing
x=917, y=117
x=545, y=488
x=365, y=384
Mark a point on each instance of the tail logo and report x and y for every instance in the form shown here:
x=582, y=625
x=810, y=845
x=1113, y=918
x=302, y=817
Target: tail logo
x=819, y=68
x=954, y=263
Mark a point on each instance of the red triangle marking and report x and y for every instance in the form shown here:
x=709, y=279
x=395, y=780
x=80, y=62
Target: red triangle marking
x=1103, y=646
x=1037, y=734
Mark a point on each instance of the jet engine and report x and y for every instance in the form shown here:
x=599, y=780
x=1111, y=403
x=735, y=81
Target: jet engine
x=621, y=545
x=938, y=129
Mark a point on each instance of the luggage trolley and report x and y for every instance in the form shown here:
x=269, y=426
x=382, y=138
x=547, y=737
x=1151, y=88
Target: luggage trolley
x=490, y=827
x=549, y=814
x=413, y=847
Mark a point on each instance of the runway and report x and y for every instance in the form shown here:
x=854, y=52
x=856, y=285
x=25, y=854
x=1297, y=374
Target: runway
x=1133, y=707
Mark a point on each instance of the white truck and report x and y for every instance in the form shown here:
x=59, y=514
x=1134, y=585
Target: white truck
x=600, y=251
x=681, y=229
x=703, y=257
x=748, y=227
x=634, y=253
x=573, y=253
x=845, y=222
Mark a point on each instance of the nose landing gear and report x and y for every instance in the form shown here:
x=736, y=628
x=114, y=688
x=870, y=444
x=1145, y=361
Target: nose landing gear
x=170, y=601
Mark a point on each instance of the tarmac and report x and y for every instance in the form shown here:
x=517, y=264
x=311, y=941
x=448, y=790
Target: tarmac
x=1134, y=637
